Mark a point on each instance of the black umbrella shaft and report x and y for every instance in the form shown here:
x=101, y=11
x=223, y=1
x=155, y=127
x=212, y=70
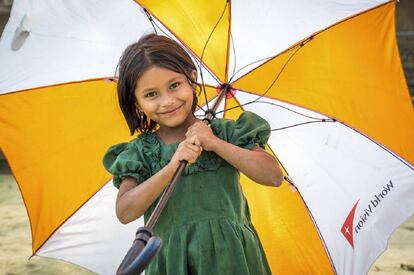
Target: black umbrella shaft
x=168, y=191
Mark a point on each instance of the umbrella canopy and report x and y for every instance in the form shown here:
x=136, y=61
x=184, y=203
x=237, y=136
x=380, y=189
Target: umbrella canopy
x=325, y=74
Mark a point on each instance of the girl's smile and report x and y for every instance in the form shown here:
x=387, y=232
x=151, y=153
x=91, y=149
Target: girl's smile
x=172, y=112
x=166, y=97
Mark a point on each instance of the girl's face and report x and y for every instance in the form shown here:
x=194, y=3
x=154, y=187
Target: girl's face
x=165, y=96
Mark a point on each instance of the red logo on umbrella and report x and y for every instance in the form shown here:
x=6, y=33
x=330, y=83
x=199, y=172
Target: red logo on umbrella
x=347, y=228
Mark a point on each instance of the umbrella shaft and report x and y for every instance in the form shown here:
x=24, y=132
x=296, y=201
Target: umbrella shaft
x=166, y=195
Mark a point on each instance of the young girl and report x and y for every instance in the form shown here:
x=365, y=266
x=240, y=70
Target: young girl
x=205, y=226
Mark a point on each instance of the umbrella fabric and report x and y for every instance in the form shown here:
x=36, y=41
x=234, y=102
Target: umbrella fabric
x=325, y=74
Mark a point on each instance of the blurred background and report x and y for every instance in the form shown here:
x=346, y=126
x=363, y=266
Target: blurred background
x=15, y=230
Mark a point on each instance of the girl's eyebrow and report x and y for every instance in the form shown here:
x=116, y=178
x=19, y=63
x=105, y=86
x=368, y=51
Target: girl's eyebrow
x=148, y=89
x=168, y=82
x=174, y=79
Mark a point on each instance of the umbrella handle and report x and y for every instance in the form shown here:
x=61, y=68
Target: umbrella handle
x=143, y=250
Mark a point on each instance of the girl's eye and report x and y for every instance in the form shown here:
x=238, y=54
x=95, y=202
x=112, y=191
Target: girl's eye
x=150, y=94
x=175, y=85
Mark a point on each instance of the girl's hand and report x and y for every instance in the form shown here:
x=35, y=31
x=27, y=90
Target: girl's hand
x=188, y=150
x=203, y=134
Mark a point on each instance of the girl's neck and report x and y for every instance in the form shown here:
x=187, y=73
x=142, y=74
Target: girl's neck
x=171, y=135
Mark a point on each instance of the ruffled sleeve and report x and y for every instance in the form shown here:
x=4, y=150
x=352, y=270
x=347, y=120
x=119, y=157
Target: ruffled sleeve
x=123, y=160
x=247, y=131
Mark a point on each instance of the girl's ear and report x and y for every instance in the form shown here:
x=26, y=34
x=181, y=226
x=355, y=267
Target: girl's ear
x=193, y=78
x=194, y=75
x=138, y=107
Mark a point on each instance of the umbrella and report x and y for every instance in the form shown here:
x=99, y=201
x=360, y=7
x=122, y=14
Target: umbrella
x=325, y=74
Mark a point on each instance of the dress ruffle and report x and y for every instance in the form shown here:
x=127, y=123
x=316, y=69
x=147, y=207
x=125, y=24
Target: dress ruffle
x=123, y=160
x=207, y=161
x=247, y=131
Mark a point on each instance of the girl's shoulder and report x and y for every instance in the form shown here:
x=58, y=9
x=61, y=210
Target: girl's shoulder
x=246, y=131
x=132, y=146
x=128, y=159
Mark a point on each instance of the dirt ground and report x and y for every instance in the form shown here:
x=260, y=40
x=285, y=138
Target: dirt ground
x=16, y=247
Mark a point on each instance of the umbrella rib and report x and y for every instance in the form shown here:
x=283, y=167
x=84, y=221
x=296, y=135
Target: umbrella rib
x=319, y=233
x=235, y=57
x=247, y=65
x=229, y=41
x=203, y=51
x=199, y=106
x=274, y=104
x=276, y=78
x=291, y=110
x=152, y=21
x=269, y=58
x=281, y=71
x=155, y=25
x=303, y=123
x=403, y=161
x=287, y=178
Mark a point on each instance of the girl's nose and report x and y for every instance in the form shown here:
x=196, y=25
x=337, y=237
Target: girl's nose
x=168, y=100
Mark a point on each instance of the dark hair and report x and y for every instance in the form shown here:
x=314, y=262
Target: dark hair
x=150, y=50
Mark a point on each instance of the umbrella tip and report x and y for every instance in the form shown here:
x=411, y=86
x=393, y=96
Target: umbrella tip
x=21, y=34
x=111, y=79
x=306, y=40
x=230, y=91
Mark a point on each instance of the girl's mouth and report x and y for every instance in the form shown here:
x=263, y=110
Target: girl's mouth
x=172, y=112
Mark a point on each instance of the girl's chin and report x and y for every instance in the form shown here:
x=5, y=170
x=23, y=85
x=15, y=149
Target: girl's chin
x=174, y=122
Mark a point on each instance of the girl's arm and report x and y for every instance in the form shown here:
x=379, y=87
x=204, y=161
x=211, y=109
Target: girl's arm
x=257, y=164
x=134, y=199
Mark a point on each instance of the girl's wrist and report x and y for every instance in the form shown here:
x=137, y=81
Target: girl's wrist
x=214, y=144
x=172, y=166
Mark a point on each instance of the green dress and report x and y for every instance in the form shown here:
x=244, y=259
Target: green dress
x=205, y=226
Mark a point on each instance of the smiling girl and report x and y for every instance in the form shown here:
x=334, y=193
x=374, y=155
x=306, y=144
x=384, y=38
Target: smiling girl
x=205, y=226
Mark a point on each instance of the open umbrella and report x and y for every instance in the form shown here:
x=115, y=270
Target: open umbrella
x=325, y=74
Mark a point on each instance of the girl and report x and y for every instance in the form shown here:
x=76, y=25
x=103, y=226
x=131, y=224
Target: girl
x=205, y=226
